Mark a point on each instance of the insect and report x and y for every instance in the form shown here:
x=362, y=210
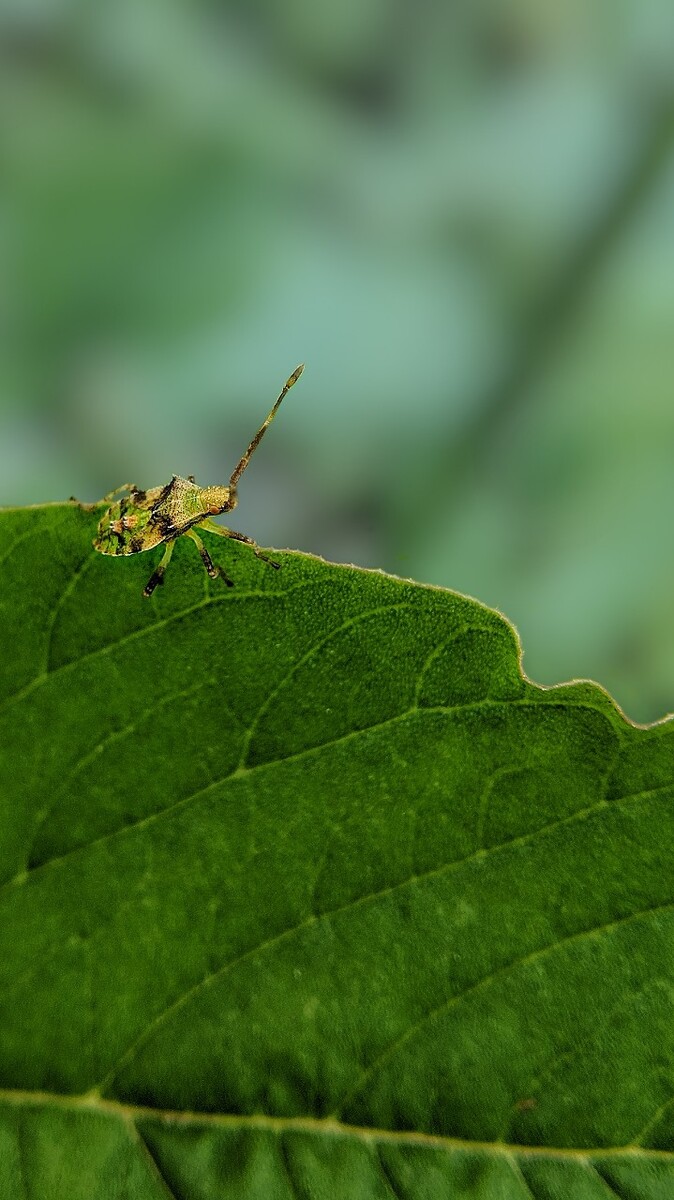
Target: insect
x=142, y=520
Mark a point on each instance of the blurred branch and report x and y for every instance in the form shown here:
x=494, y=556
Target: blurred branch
x=548, y=322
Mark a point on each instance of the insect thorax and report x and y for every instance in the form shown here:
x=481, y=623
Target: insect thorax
x=218, y=498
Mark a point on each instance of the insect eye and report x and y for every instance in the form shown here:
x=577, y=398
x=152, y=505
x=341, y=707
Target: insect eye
x=214, y=510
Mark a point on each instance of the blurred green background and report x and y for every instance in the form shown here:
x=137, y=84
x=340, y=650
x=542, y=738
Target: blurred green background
x=459, y=215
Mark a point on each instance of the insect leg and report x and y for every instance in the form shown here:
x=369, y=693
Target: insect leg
x=158, y=576
x=125, y=487
x=223, y=531
x=206, y=559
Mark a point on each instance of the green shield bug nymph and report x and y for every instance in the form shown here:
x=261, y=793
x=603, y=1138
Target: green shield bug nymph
x=141, y=520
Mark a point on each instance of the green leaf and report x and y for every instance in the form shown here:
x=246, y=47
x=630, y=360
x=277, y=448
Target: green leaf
x=308, y=892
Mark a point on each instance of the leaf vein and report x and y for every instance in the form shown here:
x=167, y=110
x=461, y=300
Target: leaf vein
x=301, y=662
x=421, y=714
x=23, y=537
x=435, y=653
x=438, y=1010
x=602, y=1178
x=135, y=1047
x=519, y=1176
x=652, y=1121
x=137, y=1137
x=92, y=754
x=289, y=1170
x=385, y=1171
x=145, y=631
x=53, y=616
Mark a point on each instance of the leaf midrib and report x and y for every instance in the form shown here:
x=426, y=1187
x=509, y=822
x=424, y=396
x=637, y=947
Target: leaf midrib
x=92, y=1102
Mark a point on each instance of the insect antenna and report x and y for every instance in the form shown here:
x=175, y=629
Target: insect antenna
x=241, y=466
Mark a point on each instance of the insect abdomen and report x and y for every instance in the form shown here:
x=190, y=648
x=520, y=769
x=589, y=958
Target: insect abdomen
x=126, y=528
